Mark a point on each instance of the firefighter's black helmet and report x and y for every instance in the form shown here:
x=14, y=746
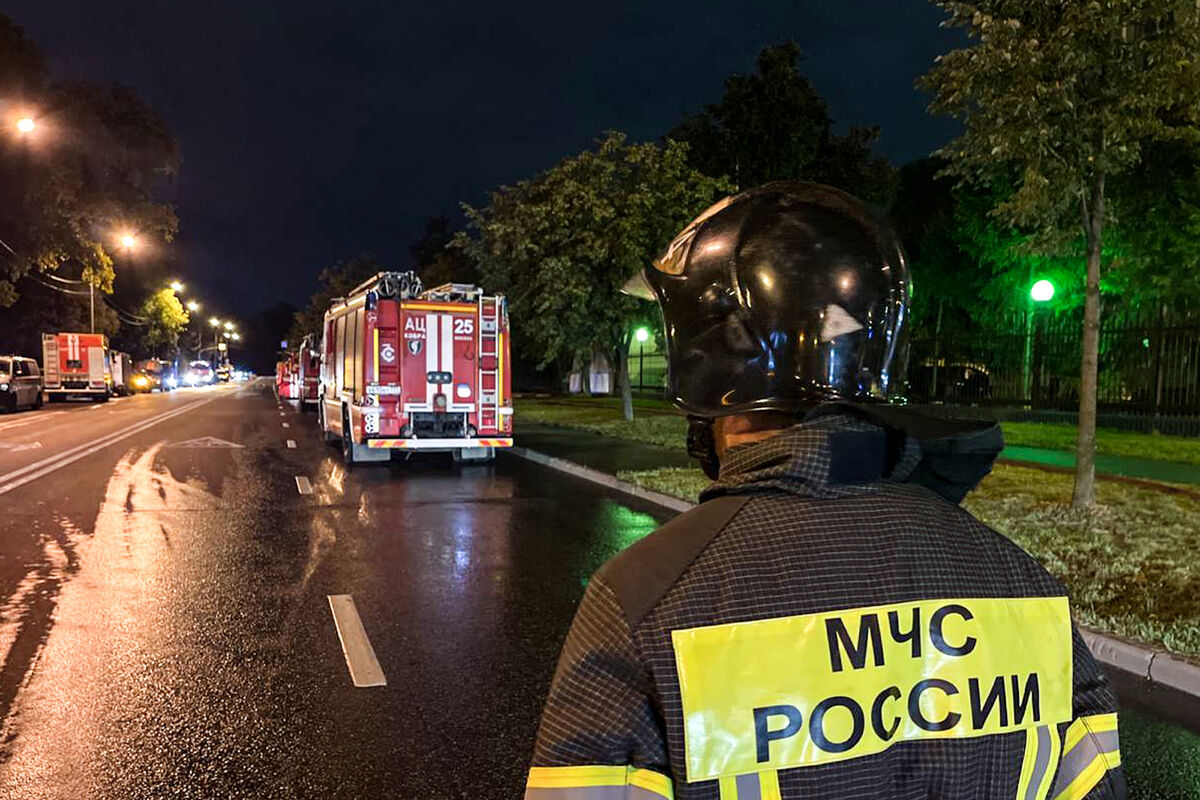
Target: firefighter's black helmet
x=781, y=298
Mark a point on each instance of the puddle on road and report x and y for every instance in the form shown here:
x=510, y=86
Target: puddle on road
x=77, y=622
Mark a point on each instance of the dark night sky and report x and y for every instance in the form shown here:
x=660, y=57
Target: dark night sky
x=312, y=131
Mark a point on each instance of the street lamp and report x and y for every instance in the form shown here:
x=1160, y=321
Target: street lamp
x=1042, y=291
x=641, y=334
x=26, y=125
x=128, y=241
x=237, y=337
x=228, y=326
x=216, y=323
x=176, y=286
x=192, y=305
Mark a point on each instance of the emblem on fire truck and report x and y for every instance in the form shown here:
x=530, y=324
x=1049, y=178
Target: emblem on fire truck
x=414, y=346
x=388, y=353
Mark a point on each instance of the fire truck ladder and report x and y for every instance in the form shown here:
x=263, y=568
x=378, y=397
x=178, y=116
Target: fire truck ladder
x=489, y=348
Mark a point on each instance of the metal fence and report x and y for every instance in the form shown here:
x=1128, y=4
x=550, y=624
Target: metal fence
x=1149, y=364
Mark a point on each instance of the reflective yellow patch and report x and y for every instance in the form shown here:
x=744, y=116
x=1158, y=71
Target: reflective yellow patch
x=798, y=691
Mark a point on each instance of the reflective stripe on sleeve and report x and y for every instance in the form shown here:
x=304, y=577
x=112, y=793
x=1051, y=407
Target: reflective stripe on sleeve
x=1037, y=768
x=1090, y=749
x=597, y=783
x=751, y=786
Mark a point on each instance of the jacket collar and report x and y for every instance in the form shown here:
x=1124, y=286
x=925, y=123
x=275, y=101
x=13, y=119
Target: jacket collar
x=841, y=449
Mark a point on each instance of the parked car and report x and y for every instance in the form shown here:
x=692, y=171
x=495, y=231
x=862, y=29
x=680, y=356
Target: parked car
x=20, y=383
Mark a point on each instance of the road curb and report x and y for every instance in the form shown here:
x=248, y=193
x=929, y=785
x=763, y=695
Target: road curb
x=1155, y=666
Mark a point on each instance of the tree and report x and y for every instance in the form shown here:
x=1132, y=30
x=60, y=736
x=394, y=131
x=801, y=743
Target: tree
x=774, y=125
x=335, y=281
x=90, y=170
x=1063, y=96
x=435, y=260
x=165, y=320
x=563, y=244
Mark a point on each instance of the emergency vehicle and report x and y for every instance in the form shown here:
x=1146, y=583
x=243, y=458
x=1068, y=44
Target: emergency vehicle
x=405, y=369
x=308, y=372
x=76, y=365
x=286, y=378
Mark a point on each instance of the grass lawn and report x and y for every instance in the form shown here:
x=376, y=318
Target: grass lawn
x=1132, y=564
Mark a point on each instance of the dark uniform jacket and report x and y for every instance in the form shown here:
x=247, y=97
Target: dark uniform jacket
x=828, y=623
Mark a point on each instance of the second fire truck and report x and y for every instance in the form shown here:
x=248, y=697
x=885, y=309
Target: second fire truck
x=405, y=369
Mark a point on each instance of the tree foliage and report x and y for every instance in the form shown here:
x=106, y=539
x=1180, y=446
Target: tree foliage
x=1058, y=97
x=165, y=321
x=774, y=125
x=562, y=244
x=92, y=169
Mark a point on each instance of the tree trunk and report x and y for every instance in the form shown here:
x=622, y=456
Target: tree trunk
x=623, y=380
x=1089, y=367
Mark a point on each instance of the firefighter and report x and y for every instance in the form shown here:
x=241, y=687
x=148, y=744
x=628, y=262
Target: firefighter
x=828, y=622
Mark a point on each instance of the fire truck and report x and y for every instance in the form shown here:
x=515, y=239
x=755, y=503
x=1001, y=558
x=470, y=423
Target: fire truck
x=308, y=372
x=286, y=378
x=405, y=369
x=76, y=365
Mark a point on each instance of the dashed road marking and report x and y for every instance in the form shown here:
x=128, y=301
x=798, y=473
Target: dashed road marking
x=286, y=425
x=303, y=485
x=356, y=647
x=291, y=443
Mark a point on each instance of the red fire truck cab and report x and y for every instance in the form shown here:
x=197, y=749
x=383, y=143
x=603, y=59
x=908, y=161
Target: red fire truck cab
x=76, y=365
x=405, y=369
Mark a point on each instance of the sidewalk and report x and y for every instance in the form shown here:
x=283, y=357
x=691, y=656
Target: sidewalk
x=1143, y=468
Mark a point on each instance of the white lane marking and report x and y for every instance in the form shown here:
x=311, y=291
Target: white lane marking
x=286, y=425
x=29, y=418
x=360, y=656
x=291, y=443
x=22, y=476
x=16, y=448
x=303, y=485
x=281, y=413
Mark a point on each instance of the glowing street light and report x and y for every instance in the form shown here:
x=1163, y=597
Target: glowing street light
x=1042, y=291
x=641, y=334
x=26, y=125
x=176, y=286
x=216, y=323
x=228, y=326
x=128, y=241
x=193, y=305
x=237, y=337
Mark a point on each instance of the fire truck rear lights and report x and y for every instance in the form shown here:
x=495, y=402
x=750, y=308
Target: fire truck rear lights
x=439, y=401
x=439, y=377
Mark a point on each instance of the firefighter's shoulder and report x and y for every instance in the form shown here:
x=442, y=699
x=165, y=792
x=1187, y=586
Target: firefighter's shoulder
x=641, y=574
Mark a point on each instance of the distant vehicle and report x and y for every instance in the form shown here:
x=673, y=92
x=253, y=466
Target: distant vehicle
x=404, y=369
x=224, y=373
x=287, y=379
x=154, y=375
x=198, y=373
x=20, y=383
x=308, y=373
x=76, y=365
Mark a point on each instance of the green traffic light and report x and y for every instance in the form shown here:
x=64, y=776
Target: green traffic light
x=1042, y=291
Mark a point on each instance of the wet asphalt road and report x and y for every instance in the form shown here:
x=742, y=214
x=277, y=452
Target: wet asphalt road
x=168, y=634
x=165, y=630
